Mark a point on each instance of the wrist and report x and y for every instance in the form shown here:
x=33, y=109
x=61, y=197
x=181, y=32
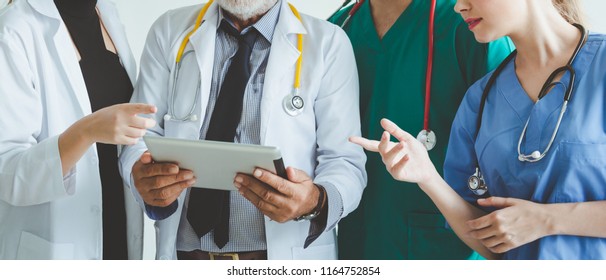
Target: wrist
x=320, y=205
x=77, y=134
x=83, y=132
x=431, y=180
x=551, y=213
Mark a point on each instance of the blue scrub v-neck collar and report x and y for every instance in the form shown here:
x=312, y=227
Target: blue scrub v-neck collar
x=544, y=113
x=510, y=87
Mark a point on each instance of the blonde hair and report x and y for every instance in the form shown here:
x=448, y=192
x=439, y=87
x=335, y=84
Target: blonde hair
x=571, y=10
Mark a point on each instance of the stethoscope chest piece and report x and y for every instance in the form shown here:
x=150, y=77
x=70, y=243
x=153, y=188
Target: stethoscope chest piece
x=293, y=104
x=428, y=138
x=476, y=183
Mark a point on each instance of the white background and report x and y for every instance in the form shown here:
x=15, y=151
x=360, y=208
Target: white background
x=138, y=15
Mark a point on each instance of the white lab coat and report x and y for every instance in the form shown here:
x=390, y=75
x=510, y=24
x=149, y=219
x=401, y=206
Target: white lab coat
x=44, y=215
x=315, y=141
x=3, y=3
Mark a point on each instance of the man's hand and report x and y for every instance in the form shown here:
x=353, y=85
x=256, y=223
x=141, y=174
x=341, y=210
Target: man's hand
x=160, y=184
x=280, y=199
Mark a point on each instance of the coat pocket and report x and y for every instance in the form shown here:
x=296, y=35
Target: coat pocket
x=181, y=129
x=33, y=247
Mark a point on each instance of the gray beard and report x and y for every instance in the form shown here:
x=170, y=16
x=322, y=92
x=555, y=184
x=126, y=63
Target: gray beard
x=246, y=9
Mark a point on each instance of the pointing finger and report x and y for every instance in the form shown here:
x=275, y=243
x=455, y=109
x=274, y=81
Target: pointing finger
x=140, y=108
x=396, y=131
x=369, y=145
x=384, y=144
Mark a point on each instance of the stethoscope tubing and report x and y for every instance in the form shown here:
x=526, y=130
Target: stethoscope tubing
x=430, y=55
x=293, y=98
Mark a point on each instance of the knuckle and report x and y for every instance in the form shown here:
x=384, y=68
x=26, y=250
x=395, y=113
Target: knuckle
x=499, y=217
x=166, y=168
x=163, y=194
x=260, y=204
x=501, y=228
x=266, y=195
x=508, y=237
x=158, y=181
x=184, y=185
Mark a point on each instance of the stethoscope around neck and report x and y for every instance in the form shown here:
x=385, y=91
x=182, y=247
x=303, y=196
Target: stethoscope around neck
x=425, y=136
x=293, y=104
x=476, y=181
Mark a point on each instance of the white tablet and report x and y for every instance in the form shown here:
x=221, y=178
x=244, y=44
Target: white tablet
x=215, y=164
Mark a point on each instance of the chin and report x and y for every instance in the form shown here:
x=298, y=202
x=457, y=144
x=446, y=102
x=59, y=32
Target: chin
x=485, y=38
x=246, y=9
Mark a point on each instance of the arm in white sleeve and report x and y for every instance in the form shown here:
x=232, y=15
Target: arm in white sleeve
x=341, y=164
x=30, y=166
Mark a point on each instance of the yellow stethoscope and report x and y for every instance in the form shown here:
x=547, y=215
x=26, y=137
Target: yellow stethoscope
x=293, y=103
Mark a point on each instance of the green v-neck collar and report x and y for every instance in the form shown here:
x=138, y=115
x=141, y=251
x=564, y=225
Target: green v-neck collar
x=406, y=18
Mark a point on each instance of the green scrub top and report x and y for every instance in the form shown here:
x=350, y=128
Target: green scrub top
x=396, y=220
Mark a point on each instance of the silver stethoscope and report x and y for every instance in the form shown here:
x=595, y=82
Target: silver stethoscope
x=476, y=181
x=293, y=103
x=425, y=136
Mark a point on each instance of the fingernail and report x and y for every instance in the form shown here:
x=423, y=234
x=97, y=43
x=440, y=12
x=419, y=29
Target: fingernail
x=239, y=179
x=237, y=185
x=188, y=176
x=258, y=173
x=192, y=181
x=174, y=169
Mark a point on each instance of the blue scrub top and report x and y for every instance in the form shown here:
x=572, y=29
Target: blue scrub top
x=574, y=170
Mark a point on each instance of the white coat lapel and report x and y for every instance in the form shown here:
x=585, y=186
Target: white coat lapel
x=282, y=59
x=203, y=42
x=63, y=45
x=110, y=18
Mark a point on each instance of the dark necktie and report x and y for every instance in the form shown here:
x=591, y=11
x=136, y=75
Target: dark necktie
x=209, y=209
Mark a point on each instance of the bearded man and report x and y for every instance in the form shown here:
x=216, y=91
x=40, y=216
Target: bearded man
x=239, y=66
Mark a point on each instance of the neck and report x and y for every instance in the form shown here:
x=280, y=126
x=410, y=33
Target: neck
x=241, y=24
x=385, y=13
x=76, y=8
x=545, y=37
x=389, y=5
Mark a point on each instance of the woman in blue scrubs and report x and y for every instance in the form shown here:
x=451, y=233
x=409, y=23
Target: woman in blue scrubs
x=543, y=160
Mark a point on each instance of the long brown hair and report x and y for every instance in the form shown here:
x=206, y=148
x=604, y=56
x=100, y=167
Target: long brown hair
x=571, y=10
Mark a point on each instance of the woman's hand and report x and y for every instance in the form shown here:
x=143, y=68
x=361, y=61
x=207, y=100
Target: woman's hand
x=407, y=160
x=119, y=124
x=517, y=222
